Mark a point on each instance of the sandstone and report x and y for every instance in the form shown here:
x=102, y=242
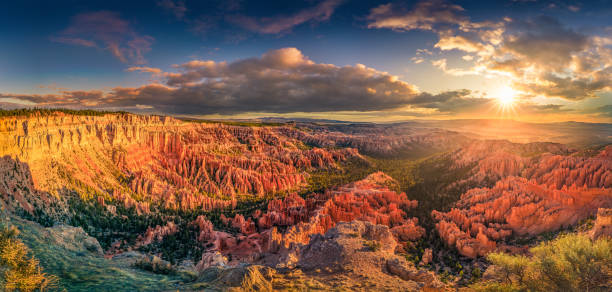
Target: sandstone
x=427, y=257
x=364, y=250
x=140, y=159
x=211, y=259
x=401, y=268
x=544, y=194
x=368, y=199
x=603, y=224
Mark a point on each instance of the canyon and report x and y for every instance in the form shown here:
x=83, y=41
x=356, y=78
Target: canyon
x=206, y=196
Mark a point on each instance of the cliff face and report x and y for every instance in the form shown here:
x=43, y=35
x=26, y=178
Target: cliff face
x=139, y=160
x=540, y=195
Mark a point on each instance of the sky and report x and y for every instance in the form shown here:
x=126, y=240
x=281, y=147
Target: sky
x=528, y=60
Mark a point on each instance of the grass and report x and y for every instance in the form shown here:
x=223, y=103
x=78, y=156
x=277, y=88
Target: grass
x=79, y=270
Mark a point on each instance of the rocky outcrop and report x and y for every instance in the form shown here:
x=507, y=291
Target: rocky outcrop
x=603, y=224
x=553, y=191
x=17, y=190
x=211, y=259
x=73, y=239
x=363, y=250
x=156, y=234
x=367, y=200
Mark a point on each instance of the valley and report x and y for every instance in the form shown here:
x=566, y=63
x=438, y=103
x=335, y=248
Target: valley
x=107, y=200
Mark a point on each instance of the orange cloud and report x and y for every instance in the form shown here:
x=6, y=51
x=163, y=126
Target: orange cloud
x=539, y=56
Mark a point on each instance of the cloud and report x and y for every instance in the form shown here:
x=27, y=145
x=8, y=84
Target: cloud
x=526, y=107
x=544, y=41
x=436, y=15
x=280, y=24
x=425, y=15
x=453, y=101
x=546, y=58
x=539, y=56
x=603, y=111
x=177, y=8
x=280, y=81
x=145, y=70
x=442, y=65
x=105, y=29
x=450, y=42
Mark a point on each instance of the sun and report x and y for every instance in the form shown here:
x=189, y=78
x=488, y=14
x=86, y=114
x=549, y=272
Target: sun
x=506, y=99
x=506, y=96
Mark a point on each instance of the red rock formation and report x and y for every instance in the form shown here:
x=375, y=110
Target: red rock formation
x=366, y=200
x=603, y=224
x=221, y=161
x=141, y=159
x=496, y=159
x=555, y=191
x=156, y=234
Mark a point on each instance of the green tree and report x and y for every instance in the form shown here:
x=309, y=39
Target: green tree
x=18, y=271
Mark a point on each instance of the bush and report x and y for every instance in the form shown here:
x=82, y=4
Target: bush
x=156, y=265
x=373, y=245
x=18, y=271
x=571, y=262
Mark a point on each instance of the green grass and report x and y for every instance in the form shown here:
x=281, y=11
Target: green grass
x=83, y=271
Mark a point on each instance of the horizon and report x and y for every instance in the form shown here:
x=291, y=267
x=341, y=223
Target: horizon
x=292, y=119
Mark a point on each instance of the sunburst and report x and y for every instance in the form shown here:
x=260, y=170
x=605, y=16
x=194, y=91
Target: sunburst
x=506, y=99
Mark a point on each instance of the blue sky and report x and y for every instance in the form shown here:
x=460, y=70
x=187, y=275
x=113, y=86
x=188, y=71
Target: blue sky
x=53, y=49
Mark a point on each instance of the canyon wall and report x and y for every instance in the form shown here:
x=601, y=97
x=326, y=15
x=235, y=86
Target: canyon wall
x=143, y=160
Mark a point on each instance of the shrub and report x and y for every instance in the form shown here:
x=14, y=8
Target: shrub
x=373, y=245
x=18, y=271
x=476, y=274
x=156, y=265
x=571, y=262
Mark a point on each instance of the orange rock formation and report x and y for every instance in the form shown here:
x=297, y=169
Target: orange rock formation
x=144, y=160
x=366, y=200
x=552, y=191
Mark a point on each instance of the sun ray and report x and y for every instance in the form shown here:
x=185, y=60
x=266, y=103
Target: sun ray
x=505, y=101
